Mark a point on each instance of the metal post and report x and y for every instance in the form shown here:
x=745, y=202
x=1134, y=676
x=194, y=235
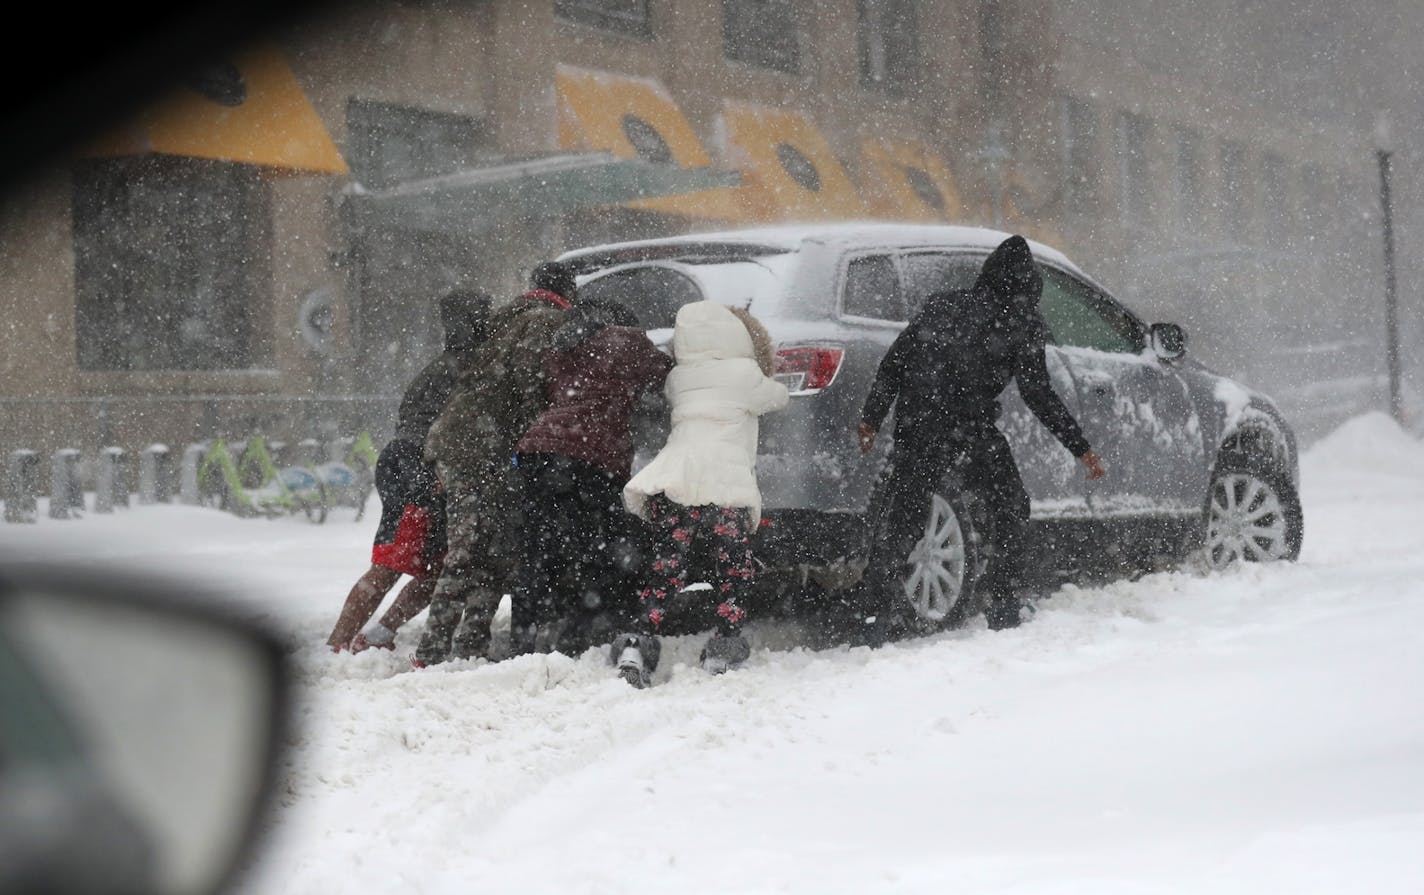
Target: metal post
x=155, y=475
x=188, y=491
x=64, y=484
x=20, y=503
x=111, y=483
x=1391, y=301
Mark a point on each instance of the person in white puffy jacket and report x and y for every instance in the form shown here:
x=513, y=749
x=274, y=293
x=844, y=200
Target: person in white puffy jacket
x=699, y=495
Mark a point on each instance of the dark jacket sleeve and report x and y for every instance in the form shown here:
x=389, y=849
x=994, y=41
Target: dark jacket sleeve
x=1031, y=372
x=653, y=366
x=890, y=377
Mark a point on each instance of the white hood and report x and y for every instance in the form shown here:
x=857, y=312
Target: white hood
x=708, y=330
x=716, y=393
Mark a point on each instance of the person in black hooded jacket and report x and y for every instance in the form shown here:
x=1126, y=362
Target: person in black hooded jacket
x=410, y=539
x=943, y=375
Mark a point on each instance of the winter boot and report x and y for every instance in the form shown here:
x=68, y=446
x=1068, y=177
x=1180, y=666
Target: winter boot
x=472, y=636
x=376, y=635
x=1003, y=613
x=724, y=652
x=523, y=639
x=636, y=658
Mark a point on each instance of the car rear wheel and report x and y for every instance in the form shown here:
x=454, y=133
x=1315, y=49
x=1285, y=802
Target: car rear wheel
x=940, y=566
x=1252, y=515
x=935, y=580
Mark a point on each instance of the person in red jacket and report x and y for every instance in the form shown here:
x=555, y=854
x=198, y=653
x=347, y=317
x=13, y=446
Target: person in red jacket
x=580, y=558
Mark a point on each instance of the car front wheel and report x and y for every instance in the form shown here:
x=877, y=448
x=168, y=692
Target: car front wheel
x=1252, y=515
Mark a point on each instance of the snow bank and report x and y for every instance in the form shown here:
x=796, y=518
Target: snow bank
x=1372, y=441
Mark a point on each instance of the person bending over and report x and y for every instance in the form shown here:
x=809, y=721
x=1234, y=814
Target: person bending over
x=943, y=376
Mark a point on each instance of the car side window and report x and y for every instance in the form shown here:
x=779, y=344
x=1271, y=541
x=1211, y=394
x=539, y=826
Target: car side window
x=652, y=293
x=872, y=289
x=1078, y=316
x=929, y=272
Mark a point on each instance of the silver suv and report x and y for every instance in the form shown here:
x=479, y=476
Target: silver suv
x=1196, y=461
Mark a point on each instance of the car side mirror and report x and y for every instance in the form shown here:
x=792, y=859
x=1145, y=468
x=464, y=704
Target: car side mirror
x=139, y=729
x=1169, y=341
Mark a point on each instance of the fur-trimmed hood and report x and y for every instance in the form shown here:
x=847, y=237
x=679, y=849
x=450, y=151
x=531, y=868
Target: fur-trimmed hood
x=716, y=391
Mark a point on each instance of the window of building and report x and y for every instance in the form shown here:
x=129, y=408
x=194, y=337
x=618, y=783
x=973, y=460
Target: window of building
x=1349, y=201
x=889, y=51
x=626, y=16
x=1187, y=199
x=762, y=32
x=1134, y=178
x=388, y=144
x=172, y=263
x=1275, y=197
x=1233, y=188
x=1080, y=155
x=1312, y=216
x=1311, y=233
x=993, y=48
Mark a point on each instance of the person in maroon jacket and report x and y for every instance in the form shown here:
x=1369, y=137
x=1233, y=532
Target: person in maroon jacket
x=580, y=557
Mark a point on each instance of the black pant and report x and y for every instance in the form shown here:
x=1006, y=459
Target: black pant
x=580, y=551
x=702, y=544
x=403, y=477
x=977, y=458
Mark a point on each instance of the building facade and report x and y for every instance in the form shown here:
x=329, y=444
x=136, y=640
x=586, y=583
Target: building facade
x=261, y=251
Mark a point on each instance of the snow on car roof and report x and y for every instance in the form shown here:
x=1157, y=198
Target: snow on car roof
x=851, y=234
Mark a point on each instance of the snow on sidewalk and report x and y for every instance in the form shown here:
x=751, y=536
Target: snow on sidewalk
x=1256, y=730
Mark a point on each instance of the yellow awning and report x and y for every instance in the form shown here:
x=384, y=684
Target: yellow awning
x=789, y=171
x=249, y=110
x=906, y=180
x=636, y=118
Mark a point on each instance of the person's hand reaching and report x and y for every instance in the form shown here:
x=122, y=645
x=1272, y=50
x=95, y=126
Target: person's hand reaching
x=1094, y=463
x=865, y=433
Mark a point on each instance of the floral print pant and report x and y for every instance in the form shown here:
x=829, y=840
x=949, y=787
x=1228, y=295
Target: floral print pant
x=711, y=542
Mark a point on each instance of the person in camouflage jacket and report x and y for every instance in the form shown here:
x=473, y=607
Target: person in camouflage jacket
x=471, y=444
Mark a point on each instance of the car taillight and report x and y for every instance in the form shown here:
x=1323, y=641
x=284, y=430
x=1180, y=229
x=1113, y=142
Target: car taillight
x=808, y=368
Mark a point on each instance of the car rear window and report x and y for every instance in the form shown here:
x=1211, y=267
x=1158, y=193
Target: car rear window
x=885, y=287
x=926, y=273
x=872, y=289
x=655, y=291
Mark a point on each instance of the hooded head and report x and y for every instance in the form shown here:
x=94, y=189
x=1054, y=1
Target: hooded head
x=588, y=317
x=464, y=316
x=1010, y=277
x=708, y=330
x=556, y=277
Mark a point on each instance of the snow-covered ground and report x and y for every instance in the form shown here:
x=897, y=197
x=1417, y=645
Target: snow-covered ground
x=1254, y=731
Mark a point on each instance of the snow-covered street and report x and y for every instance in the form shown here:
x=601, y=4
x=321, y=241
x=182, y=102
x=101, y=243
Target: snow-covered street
x=1254, y=731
